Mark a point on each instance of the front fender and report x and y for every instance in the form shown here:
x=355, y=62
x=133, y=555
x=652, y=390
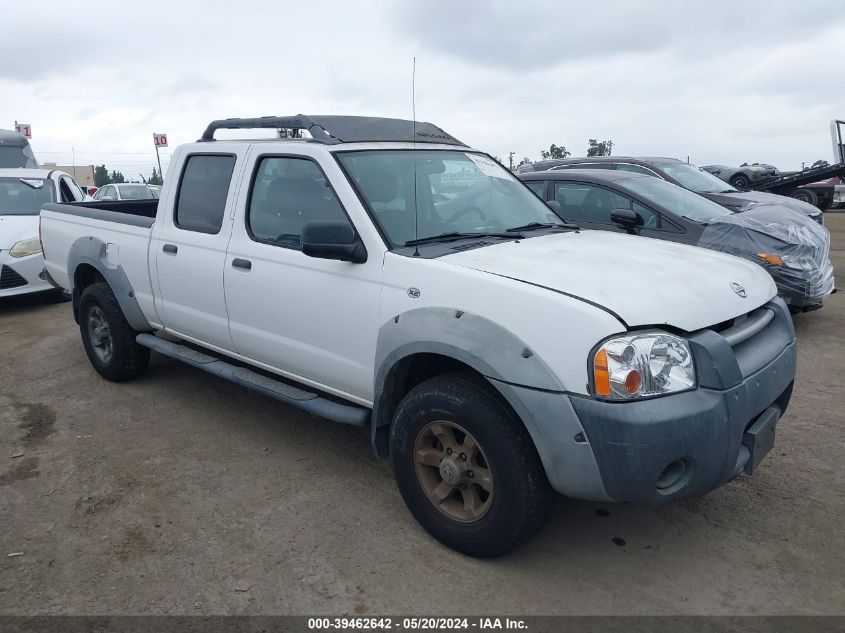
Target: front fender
x=525, y=381
x=474, y=340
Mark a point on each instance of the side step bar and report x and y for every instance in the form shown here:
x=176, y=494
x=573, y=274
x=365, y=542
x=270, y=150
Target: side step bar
x=311, y=402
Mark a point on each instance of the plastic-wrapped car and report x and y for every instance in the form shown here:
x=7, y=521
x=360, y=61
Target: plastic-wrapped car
x=791, y=247
x=789, y=244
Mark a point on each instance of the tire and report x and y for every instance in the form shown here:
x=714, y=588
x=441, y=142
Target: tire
x=111, y=345
x=60, y=295
x=805, y=195
x=498, y=448
x=740, y=182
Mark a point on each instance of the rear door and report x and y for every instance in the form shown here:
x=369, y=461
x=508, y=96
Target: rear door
x=189, y=245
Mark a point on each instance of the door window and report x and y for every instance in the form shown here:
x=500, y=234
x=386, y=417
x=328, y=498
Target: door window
x=637, y=169
x=538, y=187
x=203, y=190
x=591, y=203
x=65, y=191
x=286, y=194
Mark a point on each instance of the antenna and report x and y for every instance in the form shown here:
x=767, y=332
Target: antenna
x=414, y=137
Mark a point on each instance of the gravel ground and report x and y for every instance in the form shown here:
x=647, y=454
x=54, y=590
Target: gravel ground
x=180, y=493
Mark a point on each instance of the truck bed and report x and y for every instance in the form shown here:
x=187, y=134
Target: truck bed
x=118, y=232
x=143, y=208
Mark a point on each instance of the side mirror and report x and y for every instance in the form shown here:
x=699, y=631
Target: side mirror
x=554, y=205
x=333, y=240
x=625, y=218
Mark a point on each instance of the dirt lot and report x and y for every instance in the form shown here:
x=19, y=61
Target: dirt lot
x=181, y=493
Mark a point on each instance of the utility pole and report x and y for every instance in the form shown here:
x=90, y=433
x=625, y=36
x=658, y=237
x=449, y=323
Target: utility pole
x=510, y=160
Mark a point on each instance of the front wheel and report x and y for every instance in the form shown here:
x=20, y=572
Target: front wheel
x=108, y=338
x=467, y=468
x=740, y=182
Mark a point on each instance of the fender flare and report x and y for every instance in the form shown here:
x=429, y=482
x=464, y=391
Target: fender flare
x=485, y=346
x=93, y=252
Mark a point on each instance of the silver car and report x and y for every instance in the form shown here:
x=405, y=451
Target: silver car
x=745, y=175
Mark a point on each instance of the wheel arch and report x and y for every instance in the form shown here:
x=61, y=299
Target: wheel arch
x=426, y=342
x=88, y=261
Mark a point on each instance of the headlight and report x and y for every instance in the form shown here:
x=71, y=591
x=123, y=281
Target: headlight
x=797, y=262
x=26, y=247
x=642, y=364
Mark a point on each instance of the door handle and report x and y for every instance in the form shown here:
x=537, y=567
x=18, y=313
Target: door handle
x=170, y=248
x=242, y=263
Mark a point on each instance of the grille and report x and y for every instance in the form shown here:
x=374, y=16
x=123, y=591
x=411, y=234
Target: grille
x=10, y=279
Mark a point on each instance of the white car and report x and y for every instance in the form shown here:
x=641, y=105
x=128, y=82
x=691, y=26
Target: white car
x=22, y=193
x=492, y=351
x=125, y=191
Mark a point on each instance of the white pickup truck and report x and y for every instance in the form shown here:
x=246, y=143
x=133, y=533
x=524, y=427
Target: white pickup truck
x=381, y=273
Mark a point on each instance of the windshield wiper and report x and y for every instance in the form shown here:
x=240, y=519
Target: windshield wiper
x=455, y=235
x=533, y=226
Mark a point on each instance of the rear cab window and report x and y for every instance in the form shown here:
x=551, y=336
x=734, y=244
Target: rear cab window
x=203, y=190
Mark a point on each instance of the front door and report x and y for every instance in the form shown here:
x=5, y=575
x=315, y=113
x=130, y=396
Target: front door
x=315, y=320
x=589, y=205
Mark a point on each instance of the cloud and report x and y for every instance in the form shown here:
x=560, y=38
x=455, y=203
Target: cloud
x=719, y=81
x=535, y=34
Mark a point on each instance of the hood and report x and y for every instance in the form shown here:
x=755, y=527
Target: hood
x=14, y=228
x=741, y=199
x=642, y=280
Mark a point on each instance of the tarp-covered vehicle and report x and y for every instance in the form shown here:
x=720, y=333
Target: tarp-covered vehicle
x=789, y=244
x=793, y=248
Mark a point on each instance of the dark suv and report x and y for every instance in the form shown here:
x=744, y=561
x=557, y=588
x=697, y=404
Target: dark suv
x=687, y=176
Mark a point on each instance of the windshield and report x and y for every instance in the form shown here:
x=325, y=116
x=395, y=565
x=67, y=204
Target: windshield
x=676, y=199
x=24, y=196
x=135, y=192
x=454, y=192
x=696, y=179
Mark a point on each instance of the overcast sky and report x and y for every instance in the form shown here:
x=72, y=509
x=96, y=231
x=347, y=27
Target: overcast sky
x=720, y=82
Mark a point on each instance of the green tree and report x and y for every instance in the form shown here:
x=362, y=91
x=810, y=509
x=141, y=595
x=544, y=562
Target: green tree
x=820, y=163
x=101, y=176
x=555, y=151
x=599, y=148
x=155, y=179
x=116, y=176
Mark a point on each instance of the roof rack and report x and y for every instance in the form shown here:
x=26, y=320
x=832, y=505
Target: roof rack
x=332, y=130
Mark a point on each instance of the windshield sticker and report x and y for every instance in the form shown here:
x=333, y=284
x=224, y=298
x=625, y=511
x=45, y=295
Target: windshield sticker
x=488, y=166
x=35, y=184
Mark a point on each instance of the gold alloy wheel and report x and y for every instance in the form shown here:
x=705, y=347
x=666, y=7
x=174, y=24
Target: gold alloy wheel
x=453, y=471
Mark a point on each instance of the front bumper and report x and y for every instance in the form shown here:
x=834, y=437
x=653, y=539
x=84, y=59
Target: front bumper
x=801, y=288
x=702, y=438
x=630, y=451
x=21, y=275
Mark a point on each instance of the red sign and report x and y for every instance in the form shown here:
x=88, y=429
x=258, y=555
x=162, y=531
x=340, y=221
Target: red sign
x=23, y=128
x=159, y=140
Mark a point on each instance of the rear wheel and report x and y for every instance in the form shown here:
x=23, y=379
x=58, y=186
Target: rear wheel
x=467, y=468
x=740, y=181
x=108, y=338
x=805, y=195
